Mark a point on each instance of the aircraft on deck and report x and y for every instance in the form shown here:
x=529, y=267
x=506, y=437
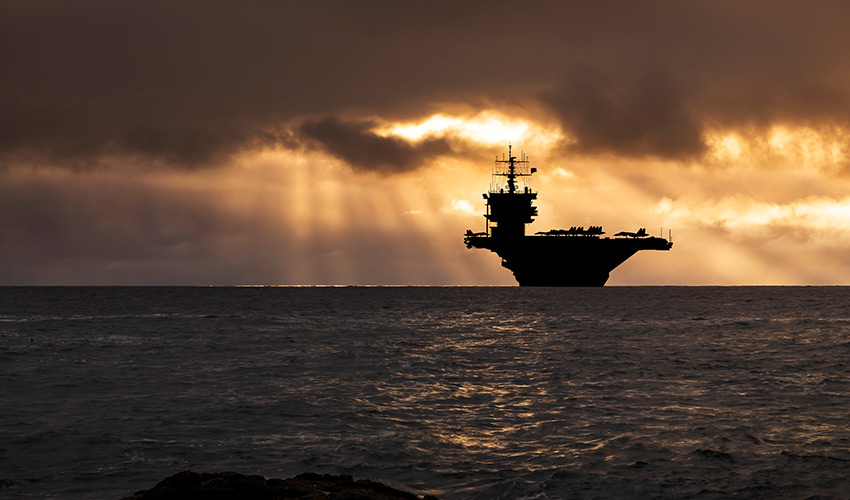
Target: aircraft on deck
x=639, y=234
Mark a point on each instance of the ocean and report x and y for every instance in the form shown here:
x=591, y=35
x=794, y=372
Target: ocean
x=459, y=392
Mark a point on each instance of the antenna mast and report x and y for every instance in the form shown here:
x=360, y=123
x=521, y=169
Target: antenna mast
x=515, y=168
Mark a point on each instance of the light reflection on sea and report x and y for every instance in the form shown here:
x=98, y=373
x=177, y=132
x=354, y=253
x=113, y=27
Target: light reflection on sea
x=474, y=393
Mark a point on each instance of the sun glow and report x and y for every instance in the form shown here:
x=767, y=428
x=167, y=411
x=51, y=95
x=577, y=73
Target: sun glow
x=327, y=223
x=744, y=217
x=342, y=227
x=806, y=146
x=486, y=128
x=768, y=201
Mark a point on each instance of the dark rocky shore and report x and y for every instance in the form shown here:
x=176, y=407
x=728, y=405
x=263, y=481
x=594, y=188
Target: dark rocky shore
x=188, y=485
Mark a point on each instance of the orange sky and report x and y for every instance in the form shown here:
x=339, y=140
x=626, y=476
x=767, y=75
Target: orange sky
x=209, y=143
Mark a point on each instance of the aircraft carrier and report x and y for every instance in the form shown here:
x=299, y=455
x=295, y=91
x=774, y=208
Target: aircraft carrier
x=560, y=257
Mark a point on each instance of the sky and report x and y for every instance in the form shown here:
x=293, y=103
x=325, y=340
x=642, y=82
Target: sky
x=335, y=142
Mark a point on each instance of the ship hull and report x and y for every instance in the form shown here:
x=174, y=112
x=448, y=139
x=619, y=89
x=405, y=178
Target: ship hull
x=564, y=260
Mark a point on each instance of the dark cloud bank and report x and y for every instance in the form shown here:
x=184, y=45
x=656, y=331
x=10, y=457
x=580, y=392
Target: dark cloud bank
x=356, y=143
x=188, y=83
x=626, y=115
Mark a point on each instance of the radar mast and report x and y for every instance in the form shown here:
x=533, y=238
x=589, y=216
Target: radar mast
x=511, y=168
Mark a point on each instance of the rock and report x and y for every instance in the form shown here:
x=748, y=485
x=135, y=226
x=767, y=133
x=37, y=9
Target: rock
x=188, y=485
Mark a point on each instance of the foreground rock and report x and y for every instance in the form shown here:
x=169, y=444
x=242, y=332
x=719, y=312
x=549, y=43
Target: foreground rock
x=188, y=485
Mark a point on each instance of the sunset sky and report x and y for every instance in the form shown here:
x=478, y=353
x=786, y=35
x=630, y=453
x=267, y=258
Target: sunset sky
x=264, y=142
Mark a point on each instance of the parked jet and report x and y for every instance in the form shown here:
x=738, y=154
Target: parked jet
x=639, y=234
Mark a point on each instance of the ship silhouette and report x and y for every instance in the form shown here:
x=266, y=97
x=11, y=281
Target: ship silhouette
x=558, y=257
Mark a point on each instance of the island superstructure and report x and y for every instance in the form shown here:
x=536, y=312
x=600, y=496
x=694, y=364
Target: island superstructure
x=559, y=257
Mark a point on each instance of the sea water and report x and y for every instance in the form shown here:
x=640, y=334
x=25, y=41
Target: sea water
x=464, y=393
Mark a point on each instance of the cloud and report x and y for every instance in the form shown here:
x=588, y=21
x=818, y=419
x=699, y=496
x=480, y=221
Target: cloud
x=57, y=229
x=183, y=83
x=643, y=116
x=355, y=143
x=464, y=207
x=814, y=222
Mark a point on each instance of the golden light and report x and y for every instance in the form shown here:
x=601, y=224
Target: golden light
x=752, y=211
x=340, y=226
x=742, y=217
x=343, y=227
x=732, y=146
x=462, y=206
x=724, y=146
x=801, y=146
x=779, y=139
x=487, y=128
